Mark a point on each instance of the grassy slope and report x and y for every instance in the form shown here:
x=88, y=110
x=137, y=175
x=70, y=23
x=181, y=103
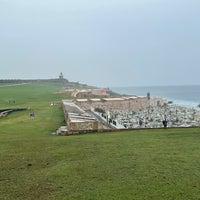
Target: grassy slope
x=147, y=164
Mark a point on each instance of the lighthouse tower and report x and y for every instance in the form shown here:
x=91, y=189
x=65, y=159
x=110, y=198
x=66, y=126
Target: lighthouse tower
x=61, y=76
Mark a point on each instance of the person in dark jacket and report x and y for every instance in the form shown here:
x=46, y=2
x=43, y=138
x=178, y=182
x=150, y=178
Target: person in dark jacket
x=165, y=123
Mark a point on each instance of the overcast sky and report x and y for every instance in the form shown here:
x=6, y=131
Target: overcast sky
x=101, y=42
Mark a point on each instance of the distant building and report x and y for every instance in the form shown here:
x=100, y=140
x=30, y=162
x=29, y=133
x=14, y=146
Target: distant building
x=100, y=92
x=61, y=76
x=89, y=93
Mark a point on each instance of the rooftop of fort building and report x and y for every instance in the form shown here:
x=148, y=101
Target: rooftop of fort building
x=71, y=107
x=75, y=113
x=110, y=99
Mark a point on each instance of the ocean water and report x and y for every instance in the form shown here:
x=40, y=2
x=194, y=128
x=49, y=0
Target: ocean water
x=183, y=95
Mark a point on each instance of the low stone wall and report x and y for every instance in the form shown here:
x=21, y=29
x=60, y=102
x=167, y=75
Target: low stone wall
x=126, y=104
x=81, y=126
x=4, y=112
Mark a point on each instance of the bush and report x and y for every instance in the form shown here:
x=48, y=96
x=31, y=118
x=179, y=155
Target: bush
x=100, y=110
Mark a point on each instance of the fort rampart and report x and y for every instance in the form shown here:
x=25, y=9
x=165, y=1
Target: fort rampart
x=109, y=104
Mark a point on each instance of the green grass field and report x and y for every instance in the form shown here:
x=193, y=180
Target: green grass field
x=136, y=164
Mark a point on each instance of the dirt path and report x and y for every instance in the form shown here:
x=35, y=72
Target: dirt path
x=14, y=84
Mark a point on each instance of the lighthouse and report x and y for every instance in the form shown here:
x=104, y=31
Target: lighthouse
x=61, y=76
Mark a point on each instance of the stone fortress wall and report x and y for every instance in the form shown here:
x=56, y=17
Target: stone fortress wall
x=110, y=104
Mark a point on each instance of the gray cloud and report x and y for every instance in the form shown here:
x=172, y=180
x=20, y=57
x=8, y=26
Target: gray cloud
x=103, y=43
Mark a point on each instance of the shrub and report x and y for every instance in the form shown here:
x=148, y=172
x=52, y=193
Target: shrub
x=100, y=110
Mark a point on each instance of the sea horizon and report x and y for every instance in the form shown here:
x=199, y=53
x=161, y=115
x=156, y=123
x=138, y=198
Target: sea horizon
x=179, y=94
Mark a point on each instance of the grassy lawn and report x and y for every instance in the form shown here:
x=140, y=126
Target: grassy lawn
x=142, y=164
